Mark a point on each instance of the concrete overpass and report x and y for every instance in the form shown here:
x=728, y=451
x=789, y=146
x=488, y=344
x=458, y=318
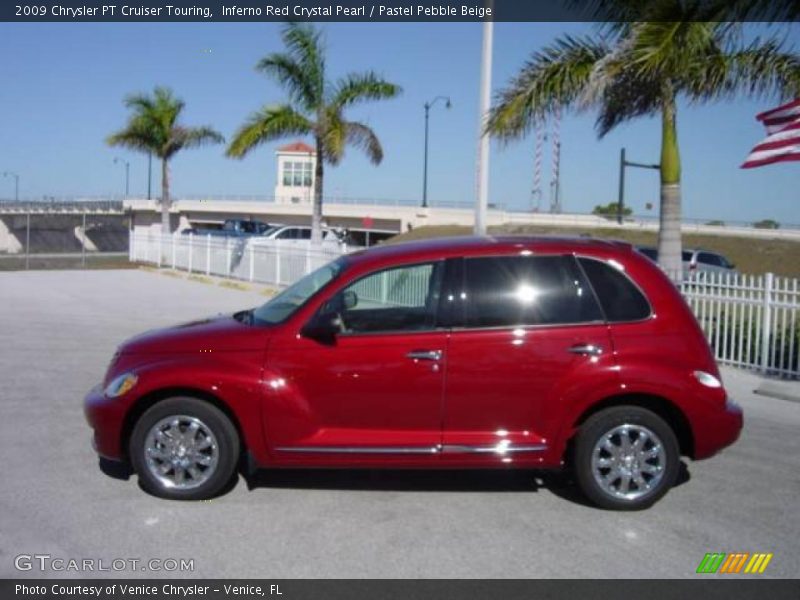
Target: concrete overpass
x=42, y=227
x=103, y=225
x=399, y=217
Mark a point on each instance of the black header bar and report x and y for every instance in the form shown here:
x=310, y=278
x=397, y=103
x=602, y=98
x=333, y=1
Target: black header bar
x=376, y=10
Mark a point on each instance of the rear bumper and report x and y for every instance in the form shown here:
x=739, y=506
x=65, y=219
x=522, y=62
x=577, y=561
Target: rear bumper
x=105, y=417
x=720, y=429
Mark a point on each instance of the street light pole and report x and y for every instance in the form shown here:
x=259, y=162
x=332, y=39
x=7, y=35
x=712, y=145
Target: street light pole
x=428, y=106
x=16, y=183
x=127, y=173
x=621, y=197
x=482, y=195
x=149, y=172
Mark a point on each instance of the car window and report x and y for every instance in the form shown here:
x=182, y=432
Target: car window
x=400, y=299
x=287, y=234
x=707, y=258
x=620, y=298
x=303, y=234
x=283, y=305
x=506, y=291
x=686, y=256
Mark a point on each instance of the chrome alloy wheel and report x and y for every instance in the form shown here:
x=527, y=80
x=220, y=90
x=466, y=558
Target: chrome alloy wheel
x=181, y=452
x=628, y=461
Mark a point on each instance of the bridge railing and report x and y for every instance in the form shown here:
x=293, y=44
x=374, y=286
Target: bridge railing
x=61, y=206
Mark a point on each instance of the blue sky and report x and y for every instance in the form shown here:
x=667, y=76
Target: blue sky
x=63, y=85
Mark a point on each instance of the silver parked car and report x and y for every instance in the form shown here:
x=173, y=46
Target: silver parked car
x=696, y=261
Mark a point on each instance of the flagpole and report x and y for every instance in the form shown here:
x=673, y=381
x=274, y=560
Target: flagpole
x=482, y=167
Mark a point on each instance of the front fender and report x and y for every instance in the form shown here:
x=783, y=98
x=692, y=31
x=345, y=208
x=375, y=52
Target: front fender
x=233, y=378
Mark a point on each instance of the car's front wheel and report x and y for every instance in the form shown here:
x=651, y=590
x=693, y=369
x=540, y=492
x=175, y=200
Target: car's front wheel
x=184, y=449
x=626, y=458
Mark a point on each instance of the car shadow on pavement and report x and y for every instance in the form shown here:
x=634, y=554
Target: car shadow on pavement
x=559, y=483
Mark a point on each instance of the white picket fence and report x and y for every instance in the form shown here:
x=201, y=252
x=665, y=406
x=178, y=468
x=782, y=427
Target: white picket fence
x=750, y=321
x=273, y=262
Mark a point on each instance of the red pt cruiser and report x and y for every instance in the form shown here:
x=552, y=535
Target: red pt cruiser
x=491, y=352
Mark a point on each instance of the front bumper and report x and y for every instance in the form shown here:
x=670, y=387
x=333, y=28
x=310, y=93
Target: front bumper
x=720, y=429
x=105, y=416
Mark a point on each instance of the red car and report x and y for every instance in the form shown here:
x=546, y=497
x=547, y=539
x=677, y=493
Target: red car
x=490, y=352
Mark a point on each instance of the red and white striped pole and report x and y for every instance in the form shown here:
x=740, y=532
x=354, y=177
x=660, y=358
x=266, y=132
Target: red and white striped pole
x=536, y=191
x=555, y=201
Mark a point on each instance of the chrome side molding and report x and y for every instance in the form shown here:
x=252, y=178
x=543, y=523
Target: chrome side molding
x=501, y=448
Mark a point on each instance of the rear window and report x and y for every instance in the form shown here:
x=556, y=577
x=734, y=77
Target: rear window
x=505, y=291
x=620, y=298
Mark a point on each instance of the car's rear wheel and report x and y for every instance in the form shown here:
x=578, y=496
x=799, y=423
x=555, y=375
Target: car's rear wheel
x=184, y=449
x=626, y=458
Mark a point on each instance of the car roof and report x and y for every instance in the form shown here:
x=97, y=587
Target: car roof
x=485, y=245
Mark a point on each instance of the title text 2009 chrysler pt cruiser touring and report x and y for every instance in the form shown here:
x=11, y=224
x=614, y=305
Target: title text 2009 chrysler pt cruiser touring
x=454, y=353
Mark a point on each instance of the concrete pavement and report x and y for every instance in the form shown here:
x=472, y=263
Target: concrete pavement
x=59, y=330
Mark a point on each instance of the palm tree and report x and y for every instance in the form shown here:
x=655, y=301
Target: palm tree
x=315, y=108
x=153, y=128
x=639, y=65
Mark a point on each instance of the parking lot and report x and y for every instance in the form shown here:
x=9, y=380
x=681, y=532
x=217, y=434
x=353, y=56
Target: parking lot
x=58, y=332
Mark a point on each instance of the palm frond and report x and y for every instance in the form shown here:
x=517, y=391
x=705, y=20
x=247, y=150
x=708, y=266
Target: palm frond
x=333, y=135
x=270, y=123
x=667, y=49
x=555, y=76
x=304, y=44
x=628, y=96
x=761, y=69
x=362, y=136
x=291, y=75
x=357, y=87
x=135, y=139
x=191, y=137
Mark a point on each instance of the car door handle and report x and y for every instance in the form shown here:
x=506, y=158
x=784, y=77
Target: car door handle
x=425, y=355
x=588, y=349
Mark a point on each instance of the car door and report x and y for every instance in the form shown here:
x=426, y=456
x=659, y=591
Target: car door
x=374, y=389
x=527, y=331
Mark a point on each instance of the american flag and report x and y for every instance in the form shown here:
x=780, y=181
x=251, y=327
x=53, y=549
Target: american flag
x=783, y=136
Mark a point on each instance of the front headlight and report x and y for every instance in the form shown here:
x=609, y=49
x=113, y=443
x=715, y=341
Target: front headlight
x=121, y=385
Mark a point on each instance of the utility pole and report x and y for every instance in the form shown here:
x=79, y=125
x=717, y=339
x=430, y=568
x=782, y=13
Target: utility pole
x=482, y=196
x=425, y=161
x=149, y=173
x=621, y=196
x=83, y=239
x=127, y=174
x=28, y=239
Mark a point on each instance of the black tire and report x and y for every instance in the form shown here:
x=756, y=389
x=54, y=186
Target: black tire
x=612, y=495
x=210, y=418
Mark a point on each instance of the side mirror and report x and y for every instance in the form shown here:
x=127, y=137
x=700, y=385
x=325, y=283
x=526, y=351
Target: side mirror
x=349, y=300
x=322, y=327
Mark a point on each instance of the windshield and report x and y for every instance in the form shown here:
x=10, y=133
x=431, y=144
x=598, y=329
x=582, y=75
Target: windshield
x=282, y=306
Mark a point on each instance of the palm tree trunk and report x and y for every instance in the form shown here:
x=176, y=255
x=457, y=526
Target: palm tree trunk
x=316, y=210
x=669, y=233
x=166, y=226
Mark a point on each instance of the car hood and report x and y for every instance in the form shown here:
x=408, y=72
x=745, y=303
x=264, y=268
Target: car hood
x=223, y=333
